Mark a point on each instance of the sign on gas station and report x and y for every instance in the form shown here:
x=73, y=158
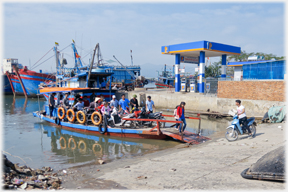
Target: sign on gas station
x=189, y=60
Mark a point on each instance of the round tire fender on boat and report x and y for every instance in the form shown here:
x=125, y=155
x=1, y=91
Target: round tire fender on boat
x=79, y=146
x=69, y=142
x=99, y=116
x=146, y=82
x=61, y=109
x=97, y=152
x=78, y=118
x=104, y=129
x=72, y=119
x=62, y=146
x=57, y=121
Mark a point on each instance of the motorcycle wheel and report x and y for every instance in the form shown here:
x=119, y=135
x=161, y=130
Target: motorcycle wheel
x=253, y=130
x=231, y=134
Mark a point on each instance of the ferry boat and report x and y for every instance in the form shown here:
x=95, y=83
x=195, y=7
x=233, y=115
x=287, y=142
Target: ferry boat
x=91, y=120
x=22, y=80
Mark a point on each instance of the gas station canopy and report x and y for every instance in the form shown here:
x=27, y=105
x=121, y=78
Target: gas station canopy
x=193, y=49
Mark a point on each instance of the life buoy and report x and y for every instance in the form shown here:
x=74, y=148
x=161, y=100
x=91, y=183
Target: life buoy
x=146, y=82
x=79, y=146
x=62, y=146
x=69, y=141
x=104, y=129
x=97, y=152
x=59, y=111
x=71, y=119
x=99, y=117
x=78, y=118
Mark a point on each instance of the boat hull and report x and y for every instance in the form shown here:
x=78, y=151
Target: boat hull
x=117, y=132
x=6, y=85
x=31, y=81
x=162, y=86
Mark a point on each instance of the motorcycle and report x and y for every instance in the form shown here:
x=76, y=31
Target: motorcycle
x=235, y=129
x=147, y=115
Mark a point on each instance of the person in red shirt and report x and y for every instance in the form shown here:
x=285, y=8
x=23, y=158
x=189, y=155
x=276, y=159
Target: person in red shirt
x=181, y=116
x=86, y=102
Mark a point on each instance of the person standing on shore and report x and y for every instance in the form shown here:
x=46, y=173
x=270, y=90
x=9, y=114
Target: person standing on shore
x=51, y=103
x=150, y=105
x=181, y=116
x=242, y=116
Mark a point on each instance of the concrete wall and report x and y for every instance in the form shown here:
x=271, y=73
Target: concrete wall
x=267, y=90
x=197, y=102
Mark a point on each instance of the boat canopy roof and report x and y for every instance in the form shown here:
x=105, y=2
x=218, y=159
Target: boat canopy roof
x=66, y=89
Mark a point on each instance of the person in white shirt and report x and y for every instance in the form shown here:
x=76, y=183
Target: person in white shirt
x=242, y=116
x=150, y=105
x=79, y=105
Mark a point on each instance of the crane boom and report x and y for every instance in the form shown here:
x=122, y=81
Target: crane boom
x=130, y=73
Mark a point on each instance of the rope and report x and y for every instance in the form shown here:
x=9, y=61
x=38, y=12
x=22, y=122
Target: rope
x=48, y=58
x=41, y=57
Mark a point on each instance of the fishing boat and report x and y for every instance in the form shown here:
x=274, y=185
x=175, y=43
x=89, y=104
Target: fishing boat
x=166, y=79
x=22, y=80
x=91, y=121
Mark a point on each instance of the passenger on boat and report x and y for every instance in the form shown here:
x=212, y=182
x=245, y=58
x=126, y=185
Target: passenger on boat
x=51, y=103
x=102, y=97
x=134, y=102
x=77, y=96
x=114, y=102
x=79, y=105
x=86, y=102
x=95, y=103
x=105, y=110
x=60, y=100
x=66, y=101
x=92, y=97
x=181, y=116
x=150, y=105
x=124, y=104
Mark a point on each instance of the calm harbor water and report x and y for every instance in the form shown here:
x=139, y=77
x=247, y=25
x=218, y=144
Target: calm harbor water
x=38, y=143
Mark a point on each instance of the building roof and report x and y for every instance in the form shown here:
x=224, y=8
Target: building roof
x=211, y=49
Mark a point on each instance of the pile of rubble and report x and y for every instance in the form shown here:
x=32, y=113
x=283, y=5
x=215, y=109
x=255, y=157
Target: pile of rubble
x=25, y=178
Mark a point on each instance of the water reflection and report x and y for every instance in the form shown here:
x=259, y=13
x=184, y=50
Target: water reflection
x=80, y=147
x=22, y=105
x=43, y=144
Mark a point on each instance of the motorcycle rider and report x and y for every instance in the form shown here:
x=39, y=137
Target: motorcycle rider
x=242, y=116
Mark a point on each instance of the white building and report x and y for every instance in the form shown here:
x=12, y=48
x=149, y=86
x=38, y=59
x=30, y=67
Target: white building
x=9, y=63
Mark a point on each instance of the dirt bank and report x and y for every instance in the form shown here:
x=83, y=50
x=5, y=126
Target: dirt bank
x=216, y=164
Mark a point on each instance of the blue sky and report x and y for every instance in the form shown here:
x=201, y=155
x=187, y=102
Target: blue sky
x=30, y=29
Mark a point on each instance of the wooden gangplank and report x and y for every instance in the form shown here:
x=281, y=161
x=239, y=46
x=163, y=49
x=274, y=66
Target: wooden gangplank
x=187, y=137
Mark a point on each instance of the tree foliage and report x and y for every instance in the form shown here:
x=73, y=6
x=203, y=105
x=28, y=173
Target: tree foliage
x=244, y=56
